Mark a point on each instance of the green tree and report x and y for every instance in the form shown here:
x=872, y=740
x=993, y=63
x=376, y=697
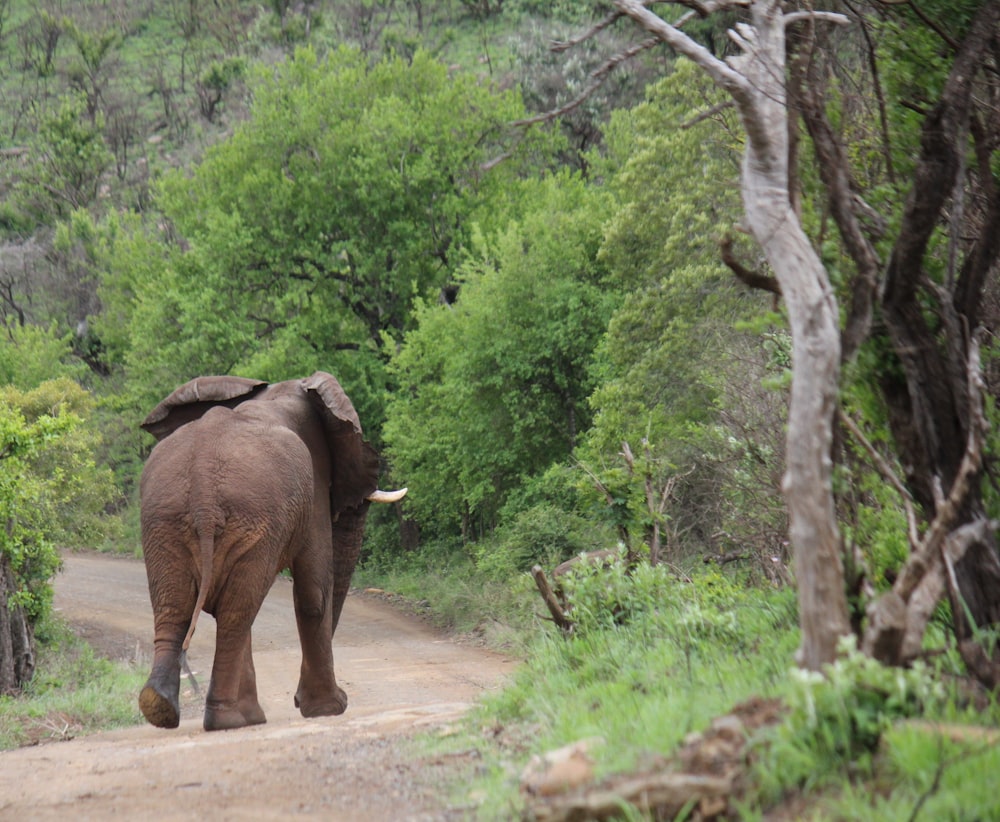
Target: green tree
x=93, y=65
x=915, y=207
x=30, y=355
x=51, y=493
x=493, y=388
x=680, y=384
x=305, y=239
x=67, y=161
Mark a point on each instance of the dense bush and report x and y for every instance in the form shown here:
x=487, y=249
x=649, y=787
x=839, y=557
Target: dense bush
x=51, y=494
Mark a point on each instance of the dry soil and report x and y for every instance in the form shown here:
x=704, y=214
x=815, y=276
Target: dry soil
x=400, y=676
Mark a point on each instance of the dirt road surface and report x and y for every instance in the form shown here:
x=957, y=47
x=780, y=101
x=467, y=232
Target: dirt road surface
x=400, y=676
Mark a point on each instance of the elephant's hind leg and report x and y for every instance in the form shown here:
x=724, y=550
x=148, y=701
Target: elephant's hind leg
x=158, y=708
x=159, y=699
x=247, y=700
x=232, y=696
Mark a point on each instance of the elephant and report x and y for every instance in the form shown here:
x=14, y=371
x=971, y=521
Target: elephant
x=248, y=479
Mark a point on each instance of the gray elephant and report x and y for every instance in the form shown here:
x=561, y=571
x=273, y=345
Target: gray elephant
x=248, y=479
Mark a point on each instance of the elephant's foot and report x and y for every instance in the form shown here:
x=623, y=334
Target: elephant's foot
x=159, y=709
x=330, y=704
x=220, y=717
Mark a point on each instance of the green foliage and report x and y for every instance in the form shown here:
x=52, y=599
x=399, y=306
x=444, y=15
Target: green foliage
x=311, y=232
x=31, y=354
x=89, y=69
x=837, y=718
x=543, y=534
x=443, y=583
x=680, y=380
x=709, y=609
x=565, y=11
x=493, y=388
x=68, y=159
x=915, y=64
x=870, y=509
x=684, y=652
x=51, y=490
x=925, y=771
x=216, y=80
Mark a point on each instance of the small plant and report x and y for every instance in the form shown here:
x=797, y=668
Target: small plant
x=837, y=718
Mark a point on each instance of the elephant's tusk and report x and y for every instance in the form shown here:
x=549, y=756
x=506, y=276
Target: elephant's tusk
x=388, y=496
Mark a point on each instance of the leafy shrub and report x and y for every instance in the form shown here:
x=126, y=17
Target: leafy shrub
x=708, y=607
x=543, y=534
x=30, y=354
x=51, y=491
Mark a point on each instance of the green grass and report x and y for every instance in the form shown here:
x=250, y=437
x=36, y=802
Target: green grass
x=655, y=657
x=652, y=659
x=73, y=692
x=444, y=586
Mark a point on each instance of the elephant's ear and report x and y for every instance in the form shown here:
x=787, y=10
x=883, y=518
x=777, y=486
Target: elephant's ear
x=194, y=398
x=354, y=462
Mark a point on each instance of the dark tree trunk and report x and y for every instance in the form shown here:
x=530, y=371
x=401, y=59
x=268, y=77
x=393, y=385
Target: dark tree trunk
x=17, y=657
x=927, y=326
x=409, y=534
x=929, y=399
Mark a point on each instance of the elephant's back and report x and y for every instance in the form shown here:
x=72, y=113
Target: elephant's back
x=226, y=462
x=226, y=489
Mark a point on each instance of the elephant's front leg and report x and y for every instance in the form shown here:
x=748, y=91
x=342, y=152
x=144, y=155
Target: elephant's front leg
x=232, y=695
x=318, y=693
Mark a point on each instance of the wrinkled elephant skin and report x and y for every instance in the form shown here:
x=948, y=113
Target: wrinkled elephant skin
x=248, y=479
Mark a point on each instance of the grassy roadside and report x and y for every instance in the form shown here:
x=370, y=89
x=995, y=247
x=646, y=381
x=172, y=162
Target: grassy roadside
x=73, y=692
x=656, y=657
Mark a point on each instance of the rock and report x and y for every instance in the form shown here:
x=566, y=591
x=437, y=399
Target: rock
x=560, y=770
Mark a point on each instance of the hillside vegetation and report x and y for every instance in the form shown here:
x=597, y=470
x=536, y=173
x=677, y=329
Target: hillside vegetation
x=544, y=298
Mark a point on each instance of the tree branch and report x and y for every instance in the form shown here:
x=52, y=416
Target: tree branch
x=934, y=176
x=753, y=279
x=550, y=599
x=888, y=474
x=892, y=625
x=598, y=76
x=840, y=187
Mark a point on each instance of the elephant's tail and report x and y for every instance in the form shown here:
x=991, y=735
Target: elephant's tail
x=206, y=544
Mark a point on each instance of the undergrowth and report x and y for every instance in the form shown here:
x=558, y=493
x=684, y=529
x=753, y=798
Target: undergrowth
x=444, y=584
x=655, y=655
x=73, y=692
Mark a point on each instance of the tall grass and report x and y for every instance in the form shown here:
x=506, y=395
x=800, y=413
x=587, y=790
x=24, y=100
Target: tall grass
x=443, y=583
x=652, y=657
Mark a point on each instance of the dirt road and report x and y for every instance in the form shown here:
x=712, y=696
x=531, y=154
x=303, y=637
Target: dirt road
x=399, y=675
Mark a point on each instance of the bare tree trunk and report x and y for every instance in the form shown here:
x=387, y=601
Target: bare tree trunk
x=813, y=317
x=756, y=81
